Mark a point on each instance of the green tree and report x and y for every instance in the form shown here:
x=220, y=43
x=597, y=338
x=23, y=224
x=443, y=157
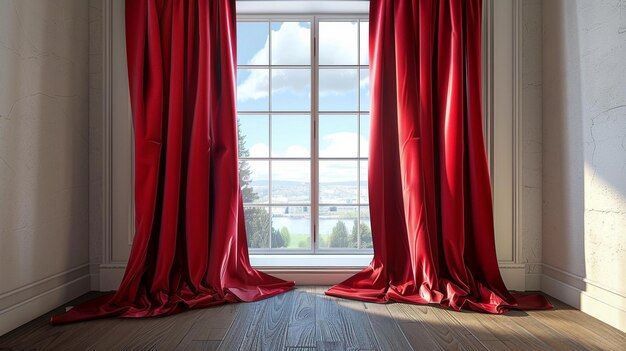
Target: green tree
x=284, y=233
x=245, y=173
x=366, y=236
x=277, y=239
x=339, y=235
x=257, y=219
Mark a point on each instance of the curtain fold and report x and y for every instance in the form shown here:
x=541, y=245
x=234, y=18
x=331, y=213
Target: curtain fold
x=190, y=248
x=429, y=186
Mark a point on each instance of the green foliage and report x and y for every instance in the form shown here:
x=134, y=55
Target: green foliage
x=277, y=239
x=284, y=233
x=339, y=235
x=366, y=236
x=257, y=227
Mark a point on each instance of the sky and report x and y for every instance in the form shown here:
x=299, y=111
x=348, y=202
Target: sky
x=339, y=91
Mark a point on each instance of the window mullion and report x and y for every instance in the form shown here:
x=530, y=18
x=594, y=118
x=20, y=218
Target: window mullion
x=314, y=139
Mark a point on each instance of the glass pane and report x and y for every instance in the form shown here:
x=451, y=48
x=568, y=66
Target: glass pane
x=365, y=135
x=253, y=89
x=252, y=43
x=257, y=226
x=338, y=136
x=253, y=132
x=364, y=90
x=338, y=89
x=254, y=181
x=291, y=136
x=337, y=227
x=291, y=227
x=338, y=182
x=364, y=41
x=291, y=182
x=338, y=43
x=363, y=193
x=365, y=229
x=291, y=43
x=291, y=89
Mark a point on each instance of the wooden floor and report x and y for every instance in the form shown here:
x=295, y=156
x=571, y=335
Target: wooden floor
x=306, y=319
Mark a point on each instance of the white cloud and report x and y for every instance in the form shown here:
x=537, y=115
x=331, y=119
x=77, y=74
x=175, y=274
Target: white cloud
x=291, y=44
x=259, y=150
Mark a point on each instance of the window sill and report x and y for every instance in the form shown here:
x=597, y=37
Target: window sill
x=310, y=261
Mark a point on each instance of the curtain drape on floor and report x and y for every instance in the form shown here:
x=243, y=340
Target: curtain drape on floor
x=190, y=247
x=429, y=187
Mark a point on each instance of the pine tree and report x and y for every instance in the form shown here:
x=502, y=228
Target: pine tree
x=339, y=235
x=257, y=219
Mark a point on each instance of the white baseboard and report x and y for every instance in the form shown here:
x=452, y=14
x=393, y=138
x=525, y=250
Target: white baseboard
x=514, y=275
x=26, y=303
x=592, y=299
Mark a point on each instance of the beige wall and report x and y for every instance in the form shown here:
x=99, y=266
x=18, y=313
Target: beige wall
x=44, y=159
x=584, y=155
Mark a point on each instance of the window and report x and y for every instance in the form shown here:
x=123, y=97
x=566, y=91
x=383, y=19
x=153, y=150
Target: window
x=303, y=121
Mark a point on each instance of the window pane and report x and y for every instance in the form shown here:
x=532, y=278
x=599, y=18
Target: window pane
x=363, y=192
x=291, y=227
x=253, y=89
x=337, y=227
x=365, y=229
x=291, y=89
x=291, y=182
x=338, y=182
x=254, y=181
x=364, y=41
x=291, y=136
x=365, y=135
x=338, y=136
x=252, y=43
x=253, y=131
x=338, y=89
x=338, y=43
x=364, y=85
x=257, y=226
x=291, y=43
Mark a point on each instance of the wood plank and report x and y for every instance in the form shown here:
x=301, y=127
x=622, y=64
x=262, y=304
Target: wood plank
x=439, y=333
x=301, y=329
x=552, y=338
x=572, y=324
x=211, y=325
x=388, y=334
x=507, y=331
x=357, y=329
x=327, y=319
x=460, y=332
x=203, y=345
x=269, y=328
x=156, y=333
x=242, y=322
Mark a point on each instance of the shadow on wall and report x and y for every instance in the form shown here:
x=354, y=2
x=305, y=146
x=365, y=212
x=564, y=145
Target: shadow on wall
x=584, y=117
x=43, y=140
x=563, y=163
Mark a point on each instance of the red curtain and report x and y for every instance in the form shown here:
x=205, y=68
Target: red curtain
x=429, y=188
x=190, y=247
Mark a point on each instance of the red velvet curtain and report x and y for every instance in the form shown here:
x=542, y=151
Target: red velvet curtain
x=429, y=188
x=190, y=247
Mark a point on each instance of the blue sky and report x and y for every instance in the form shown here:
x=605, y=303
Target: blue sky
x=339, y=91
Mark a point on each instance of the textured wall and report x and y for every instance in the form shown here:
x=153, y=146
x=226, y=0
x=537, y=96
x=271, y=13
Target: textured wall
x=95, y=139
x=584, y=155
x=44, y=159
x=531, y=123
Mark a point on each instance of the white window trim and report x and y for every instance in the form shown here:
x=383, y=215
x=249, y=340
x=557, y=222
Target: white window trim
x=314, y=113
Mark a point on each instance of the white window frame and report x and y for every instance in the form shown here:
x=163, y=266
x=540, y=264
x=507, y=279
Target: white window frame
x=314, y=112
